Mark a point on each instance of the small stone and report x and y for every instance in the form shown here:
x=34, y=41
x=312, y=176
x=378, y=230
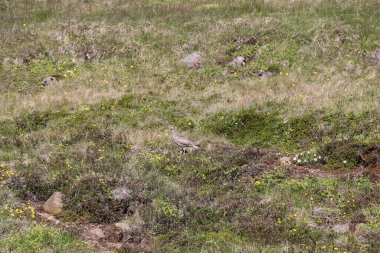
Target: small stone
x=377, y=55
x=286, y=161
x=48, y=80
x=123, y=226
x=48, y=217
x=114, y=245
x=312, y=225
x=96, y=233
x=121, y=194
x=238, y=61
x=193, y=61
x=44, y=158
x=341, y=228
x=320, y=211
x=360, y=229
x=54, y=204
x=265, y=75
x=265, y=201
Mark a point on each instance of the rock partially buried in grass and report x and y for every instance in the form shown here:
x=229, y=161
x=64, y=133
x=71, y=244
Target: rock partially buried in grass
x=95, y=233
x=193, y=61
x=341, y=228
x=265, y=74
x=377, y=55
x=54, y=204
x=265, y=201
x=49, y=80
x=286, y=161
x=121, y=193
x=238, y=61
x=123, y=226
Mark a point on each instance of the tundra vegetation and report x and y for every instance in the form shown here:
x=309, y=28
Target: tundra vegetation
x=290, y=154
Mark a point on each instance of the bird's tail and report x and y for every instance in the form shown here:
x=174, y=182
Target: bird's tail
x=196, y=145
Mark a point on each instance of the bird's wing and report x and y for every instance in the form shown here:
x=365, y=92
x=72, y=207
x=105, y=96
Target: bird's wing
x=181, y=141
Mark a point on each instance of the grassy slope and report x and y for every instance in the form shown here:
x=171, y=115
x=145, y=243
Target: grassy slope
x=121, y=84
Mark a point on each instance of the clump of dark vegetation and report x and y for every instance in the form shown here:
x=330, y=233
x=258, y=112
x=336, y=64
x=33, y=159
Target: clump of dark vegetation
x=314, y=130
x=350, y=153
x=91, y=197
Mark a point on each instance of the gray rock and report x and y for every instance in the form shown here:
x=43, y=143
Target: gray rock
x=113, y=245
x=121, y=193
x=193, y=61
x=263, y=74
x=265, y=201
x=96, y=233
x=286, y=161
x=341, y=228
x=312, y=225
x=238, y=61
x=44, y=158
x=123, y=226
x=322, y=212
x=48, y=217
x=54, y=204
x=48, y=80
x=377, y=55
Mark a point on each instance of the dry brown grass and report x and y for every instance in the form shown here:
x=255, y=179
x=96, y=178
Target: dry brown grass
x=301, y=95
x=70, y=93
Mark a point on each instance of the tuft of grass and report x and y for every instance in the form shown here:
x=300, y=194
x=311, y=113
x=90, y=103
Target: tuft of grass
x=42, y=239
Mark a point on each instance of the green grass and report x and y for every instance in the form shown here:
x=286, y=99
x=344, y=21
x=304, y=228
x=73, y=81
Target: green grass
x=42, y=239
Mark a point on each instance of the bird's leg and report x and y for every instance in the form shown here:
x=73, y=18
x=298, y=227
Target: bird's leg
x=183, y=151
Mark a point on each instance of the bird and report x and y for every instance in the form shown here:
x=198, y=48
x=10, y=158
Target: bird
x=184, y=143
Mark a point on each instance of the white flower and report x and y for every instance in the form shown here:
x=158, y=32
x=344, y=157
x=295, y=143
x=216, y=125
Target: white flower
x=294, y=158
x=298, y=161
x=308, y=152
x=319, y=157
x=344, y=161
x=315, y=159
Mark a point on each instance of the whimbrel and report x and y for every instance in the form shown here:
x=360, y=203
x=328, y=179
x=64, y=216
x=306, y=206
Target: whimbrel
x=183, y=142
